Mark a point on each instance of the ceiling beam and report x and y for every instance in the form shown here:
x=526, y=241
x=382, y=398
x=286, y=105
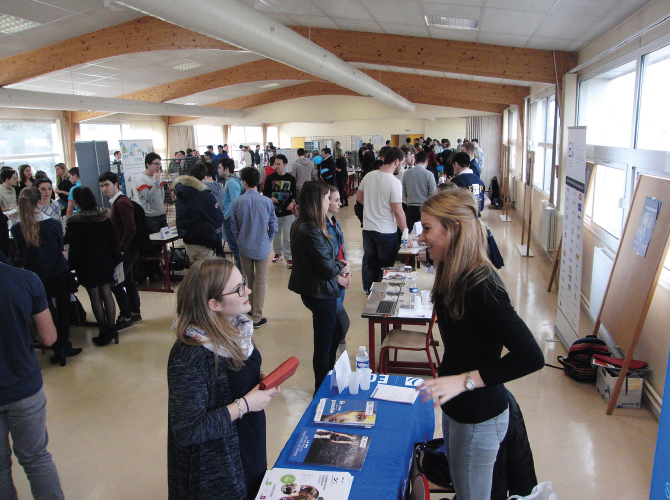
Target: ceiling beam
x=141, y=35
x=468, y=58
x=452, y=87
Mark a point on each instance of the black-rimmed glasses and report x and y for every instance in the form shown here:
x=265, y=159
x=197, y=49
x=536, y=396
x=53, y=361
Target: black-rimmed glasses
x=241, y=288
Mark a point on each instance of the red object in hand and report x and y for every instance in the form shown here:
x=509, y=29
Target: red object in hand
x=283, y=372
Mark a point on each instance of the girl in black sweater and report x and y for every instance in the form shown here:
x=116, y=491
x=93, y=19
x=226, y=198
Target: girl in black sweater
x=477, y=320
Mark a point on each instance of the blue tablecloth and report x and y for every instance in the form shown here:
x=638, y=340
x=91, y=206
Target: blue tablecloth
x=386, y=469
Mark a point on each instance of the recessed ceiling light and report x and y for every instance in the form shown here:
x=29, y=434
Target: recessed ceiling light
x=269, y=85
x=452, y=22
x=83, y=92
x=190, y=104
x=187, y=65
x=10, y=24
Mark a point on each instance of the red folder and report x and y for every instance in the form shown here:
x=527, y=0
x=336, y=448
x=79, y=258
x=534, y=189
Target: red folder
x=634, y=363
x=283, y=372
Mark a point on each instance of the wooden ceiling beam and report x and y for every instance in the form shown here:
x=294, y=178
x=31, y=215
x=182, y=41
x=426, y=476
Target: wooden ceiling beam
x=141, y=35
x=468, y=58
x=452, y=87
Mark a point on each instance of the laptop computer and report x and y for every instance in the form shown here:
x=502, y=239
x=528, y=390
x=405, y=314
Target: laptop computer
x=383, y=300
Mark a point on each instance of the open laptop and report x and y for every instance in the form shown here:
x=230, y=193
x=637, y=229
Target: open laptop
x=383, y=300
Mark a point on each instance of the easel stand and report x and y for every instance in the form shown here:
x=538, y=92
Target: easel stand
x=634, y=277
x=524, y=249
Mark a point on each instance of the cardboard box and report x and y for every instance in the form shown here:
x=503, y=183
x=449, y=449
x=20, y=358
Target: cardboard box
x=631, y=391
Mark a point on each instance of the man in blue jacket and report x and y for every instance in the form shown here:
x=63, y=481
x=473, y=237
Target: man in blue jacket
x=199, y=215
x=466, y=178
x=232, y=189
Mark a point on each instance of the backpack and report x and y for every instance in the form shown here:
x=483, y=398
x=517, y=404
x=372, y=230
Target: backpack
x=494, y=190
x=577, y=365
x=141, y=238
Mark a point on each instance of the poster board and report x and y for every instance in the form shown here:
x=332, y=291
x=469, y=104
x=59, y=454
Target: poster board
x=635, y=276
x=132, y=157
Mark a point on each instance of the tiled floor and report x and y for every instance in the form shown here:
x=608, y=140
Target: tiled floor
x=107, y=409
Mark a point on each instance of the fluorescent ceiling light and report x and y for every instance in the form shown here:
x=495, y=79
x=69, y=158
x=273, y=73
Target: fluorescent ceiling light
x=10, y=24
x=187, y=65
x=269, y=85
x=83, y=92
x=452, y=22
x=190, y=104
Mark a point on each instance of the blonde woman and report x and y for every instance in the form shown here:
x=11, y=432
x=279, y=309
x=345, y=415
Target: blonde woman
x=475, y=314
x=40, y=242
x=216, y=418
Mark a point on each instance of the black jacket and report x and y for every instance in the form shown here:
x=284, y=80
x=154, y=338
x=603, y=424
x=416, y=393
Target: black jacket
x=315, y=268
x=199, y=215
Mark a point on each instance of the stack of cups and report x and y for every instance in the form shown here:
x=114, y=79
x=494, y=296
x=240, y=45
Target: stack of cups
x=353, y=383
x=364, y=379
x=425, y=297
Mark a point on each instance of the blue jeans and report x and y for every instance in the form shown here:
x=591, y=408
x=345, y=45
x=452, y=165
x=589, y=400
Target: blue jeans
x=379, y=250
x=471, y=450
x=126, y=292
x=232, y=243
x=26, y=421
x=327, y=334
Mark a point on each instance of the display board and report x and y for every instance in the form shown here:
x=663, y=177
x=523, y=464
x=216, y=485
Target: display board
x=570, y=281
x=92, y=160
x=132, y=156
x=637, y=268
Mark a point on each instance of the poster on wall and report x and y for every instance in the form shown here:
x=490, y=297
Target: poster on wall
x=570, y=283
x=132, y=156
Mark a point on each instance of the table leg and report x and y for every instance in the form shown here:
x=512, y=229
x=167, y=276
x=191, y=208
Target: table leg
x=166, y=279
x=371, y=341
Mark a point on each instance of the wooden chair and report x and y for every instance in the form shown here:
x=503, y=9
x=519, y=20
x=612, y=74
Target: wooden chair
x=409, y=340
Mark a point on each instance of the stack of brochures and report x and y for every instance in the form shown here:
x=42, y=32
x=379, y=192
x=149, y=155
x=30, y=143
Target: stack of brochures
x=340, y=412
x=280, y=484
x=329, y=448
x=395, y=394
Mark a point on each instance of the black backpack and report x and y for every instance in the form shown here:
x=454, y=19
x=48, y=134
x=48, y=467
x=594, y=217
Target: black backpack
x=577, y=365
x=141, y=239
x=494, y=190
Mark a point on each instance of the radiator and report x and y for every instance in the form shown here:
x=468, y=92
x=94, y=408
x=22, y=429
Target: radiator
x=546, y=231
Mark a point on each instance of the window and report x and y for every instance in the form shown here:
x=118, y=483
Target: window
x=606, y=105
x=34, y=143
x=272, y=136
x=110, y=132
x=606, y=202
x=208, y=135
x=513, y=123
x=654, y=127
x=541, y=140
x=245, y=135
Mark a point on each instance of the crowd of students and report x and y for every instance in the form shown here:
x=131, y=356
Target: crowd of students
x=216, y=422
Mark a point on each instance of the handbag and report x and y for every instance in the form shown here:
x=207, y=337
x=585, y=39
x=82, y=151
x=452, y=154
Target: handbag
x=542, y=491
x=432, y=462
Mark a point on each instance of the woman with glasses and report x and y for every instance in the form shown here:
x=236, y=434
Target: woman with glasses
x=216, y=418
x=317, y=274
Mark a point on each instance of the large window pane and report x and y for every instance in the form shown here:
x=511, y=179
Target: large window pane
x=654, y=126
x=546, y=183
x=272, y=136
x=538, y=167
x=606, y=107
x=208, y=135
x=605, y=203
x=110, y=132
x=27, y=138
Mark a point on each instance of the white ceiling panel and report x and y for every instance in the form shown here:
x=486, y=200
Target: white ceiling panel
x=446, y=10
x=453, y=34
x=524, y=5
x=405, y=29
x=569, y=27
x=511, y=22
x=538, y=42
x=503, y=39
x=396, y=11
x=314, y=21
x=289, y=7
x=349, y=9
x=76, y=25
x=606, y=8
x=72, y=5
x=33, y=11
x=356, y=25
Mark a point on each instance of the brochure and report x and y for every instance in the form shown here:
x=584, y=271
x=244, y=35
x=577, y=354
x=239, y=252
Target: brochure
x=329, y=448
x=395, y=394
x=286, y=484
x=340, y=412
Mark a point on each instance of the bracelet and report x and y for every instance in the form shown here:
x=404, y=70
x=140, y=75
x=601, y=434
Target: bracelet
x=246, y=403
x=239, y=408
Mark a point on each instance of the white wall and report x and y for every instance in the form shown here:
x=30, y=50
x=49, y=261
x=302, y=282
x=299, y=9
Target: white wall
x=446, y=128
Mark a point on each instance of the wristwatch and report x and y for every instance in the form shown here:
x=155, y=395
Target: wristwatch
x=469, y=383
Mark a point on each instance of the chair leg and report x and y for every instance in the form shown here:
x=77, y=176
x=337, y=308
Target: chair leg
x=430, y=362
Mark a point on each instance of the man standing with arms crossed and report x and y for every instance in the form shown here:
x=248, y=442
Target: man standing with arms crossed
x=254, y=224
x=380, y=193
x=22, y=399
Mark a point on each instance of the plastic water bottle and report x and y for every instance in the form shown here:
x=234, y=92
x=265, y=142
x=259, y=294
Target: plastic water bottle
x=362, y=358
x=404, y=244
x=413, y=291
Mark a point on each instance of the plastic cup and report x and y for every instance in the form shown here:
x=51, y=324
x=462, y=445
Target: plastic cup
x=417, y=304
x=353, y=383
x=425, y=297
x=364, y=378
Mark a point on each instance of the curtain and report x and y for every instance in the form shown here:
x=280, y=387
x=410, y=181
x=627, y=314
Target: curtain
x=488, y=129
x=180, y=138
x=154, y=130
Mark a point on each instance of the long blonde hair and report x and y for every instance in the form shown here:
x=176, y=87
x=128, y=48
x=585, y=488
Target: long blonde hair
x=466, y=262
x=29, y=199
x=206, y=280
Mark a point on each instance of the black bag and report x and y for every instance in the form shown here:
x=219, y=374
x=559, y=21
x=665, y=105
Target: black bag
x=494, y=191
x=432, y=462
x=577, y=365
